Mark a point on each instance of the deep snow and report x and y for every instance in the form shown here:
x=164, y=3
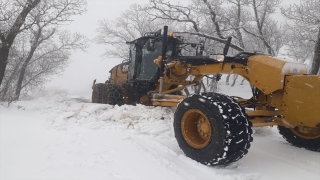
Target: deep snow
x=61, y=136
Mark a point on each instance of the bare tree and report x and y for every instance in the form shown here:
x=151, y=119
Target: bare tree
x=264, y=27
x=51, y=57
x=199, y=18
x=41, y=49
x=12, y=18
x=216, y=20
x=132, y=24
x=305, y=33
x=48, y=15
x=13, y=67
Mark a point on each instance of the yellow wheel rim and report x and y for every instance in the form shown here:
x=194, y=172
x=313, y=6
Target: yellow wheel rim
x=306, y=133
x=196, y=128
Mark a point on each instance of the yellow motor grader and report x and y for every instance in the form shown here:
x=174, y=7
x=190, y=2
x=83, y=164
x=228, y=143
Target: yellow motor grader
x=212, y=128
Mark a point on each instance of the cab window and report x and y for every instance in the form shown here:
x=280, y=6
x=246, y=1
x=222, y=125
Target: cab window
x=148, y=68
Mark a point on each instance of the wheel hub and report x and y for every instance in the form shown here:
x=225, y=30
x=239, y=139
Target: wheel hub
x=196, y=128
x=306, y=132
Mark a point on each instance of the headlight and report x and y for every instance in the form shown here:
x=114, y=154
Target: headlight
x=219, y=57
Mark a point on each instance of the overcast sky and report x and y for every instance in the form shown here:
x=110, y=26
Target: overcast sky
x=87, y=66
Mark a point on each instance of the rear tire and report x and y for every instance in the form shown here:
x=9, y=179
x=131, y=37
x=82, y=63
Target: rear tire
x=212, y=129
x=112, y=95
x=298, y=139
x=97, y=92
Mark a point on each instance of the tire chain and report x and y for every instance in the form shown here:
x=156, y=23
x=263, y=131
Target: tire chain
x=310, y=144
x=114, y=94
x=237, y=142
x=97, y=92
x=238, y=127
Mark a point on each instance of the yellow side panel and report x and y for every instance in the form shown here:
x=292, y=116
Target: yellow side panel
x=267, y=73
x=119, y=74
x=301, y=100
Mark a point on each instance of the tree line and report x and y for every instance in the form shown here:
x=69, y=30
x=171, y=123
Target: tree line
x=33, y=45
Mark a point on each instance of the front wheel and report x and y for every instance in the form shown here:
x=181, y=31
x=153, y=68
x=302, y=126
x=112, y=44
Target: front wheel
x=112, y=95
x=212, y=129
x=308, y=138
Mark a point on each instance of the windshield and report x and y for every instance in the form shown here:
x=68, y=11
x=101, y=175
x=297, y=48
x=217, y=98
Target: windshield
x=147, y=67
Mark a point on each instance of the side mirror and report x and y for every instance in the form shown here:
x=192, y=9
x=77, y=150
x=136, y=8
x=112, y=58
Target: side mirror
x=150, y=45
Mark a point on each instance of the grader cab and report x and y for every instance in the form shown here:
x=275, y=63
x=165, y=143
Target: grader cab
x=213, y=128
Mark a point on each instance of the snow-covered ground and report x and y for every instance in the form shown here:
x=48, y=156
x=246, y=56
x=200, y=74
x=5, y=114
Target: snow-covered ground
x=62, y=136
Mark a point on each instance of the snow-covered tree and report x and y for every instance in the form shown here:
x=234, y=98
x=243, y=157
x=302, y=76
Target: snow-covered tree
x=131, y=24
x=42, y=49
x=263, y=27
x=13, y=16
